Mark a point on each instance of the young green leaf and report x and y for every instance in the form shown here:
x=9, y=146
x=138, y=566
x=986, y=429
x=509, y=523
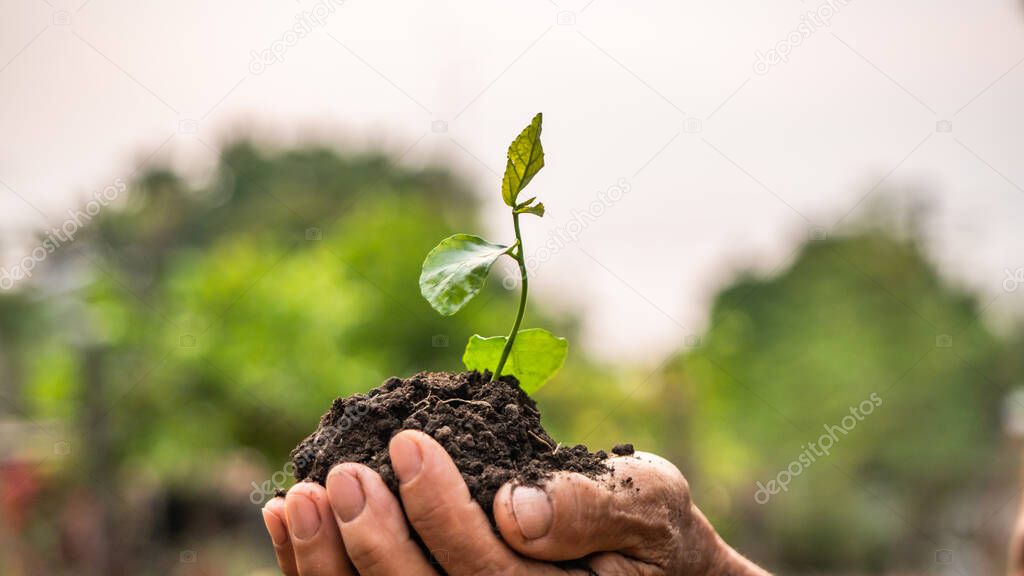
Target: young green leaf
x=535, y=357
x=525, y=159
x=455, y=271
x=536, y=209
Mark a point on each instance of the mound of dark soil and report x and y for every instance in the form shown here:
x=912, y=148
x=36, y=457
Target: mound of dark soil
x=491, y=429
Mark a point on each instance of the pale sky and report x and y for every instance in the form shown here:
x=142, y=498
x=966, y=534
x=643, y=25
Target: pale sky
x=727, y=166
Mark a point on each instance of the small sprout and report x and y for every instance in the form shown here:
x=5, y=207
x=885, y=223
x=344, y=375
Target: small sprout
x=456, y=269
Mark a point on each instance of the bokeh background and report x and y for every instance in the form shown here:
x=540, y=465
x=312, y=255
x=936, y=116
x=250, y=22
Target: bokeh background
x=760, y=215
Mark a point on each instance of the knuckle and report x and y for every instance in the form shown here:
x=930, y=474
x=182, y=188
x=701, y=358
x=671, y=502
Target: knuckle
x=315, y=568
x=676, y=483
x=430, y=514
x=667, y=472
x=369, y=556
x=473, y=562
x=658, y=526
x=656, y=508
x=489, y=565
x=472, y=556
x=662, y=481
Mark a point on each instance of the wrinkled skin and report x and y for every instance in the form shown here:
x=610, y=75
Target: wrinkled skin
x=356, y=525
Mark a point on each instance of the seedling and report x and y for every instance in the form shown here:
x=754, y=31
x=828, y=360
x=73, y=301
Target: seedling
x=456, y=269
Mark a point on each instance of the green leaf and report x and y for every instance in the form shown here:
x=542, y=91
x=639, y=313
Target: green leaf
x=525, y=159
x=537, y=209
x=536, y=356
x=455, y=271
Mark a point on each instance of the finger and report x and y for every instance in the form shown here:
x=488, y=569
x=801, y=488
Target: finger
x=314, y=535
x=631, y=510
x=273, y=517
x=440, y=509
x=375, y=531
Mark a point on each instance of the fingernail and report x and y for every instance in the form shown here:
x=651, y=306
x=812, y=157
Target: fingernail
x=406, y=457
x=532, y=511
x=303, y=517
x=275, y=526
x=346, y=494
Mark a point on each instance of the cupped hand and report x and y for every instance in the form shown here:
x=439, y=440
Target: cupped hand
x=639, y=521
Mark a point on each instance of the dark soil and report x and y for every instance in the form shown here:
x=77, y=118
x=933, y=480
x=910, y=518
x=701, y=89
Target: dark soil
x=491, y=429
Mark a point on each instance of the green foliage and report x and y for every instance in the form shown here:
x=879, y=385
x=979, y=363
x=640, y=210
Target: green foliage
x=456, y=269
x=788, y=355
x=536, y=356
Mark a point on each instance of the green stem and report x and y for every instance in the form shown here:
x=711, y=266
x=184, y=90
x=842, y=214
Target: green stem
x=522, y=298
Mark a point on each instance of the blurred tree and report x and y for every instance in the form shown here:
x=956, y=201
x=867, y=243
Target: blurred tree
x=786, y=356
x=19, y=325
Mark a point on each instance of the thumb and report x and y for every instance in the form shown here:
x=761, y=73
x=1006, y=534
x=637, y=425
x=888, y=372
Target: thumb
x=632, y=510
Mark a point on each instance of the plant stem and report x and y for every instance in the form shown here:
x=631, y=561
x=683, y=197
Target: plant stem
x=524, y=286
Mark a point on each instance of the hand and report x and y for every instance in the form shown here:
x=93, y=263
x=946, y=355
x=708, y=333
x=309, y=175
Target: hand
x=647, y=526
